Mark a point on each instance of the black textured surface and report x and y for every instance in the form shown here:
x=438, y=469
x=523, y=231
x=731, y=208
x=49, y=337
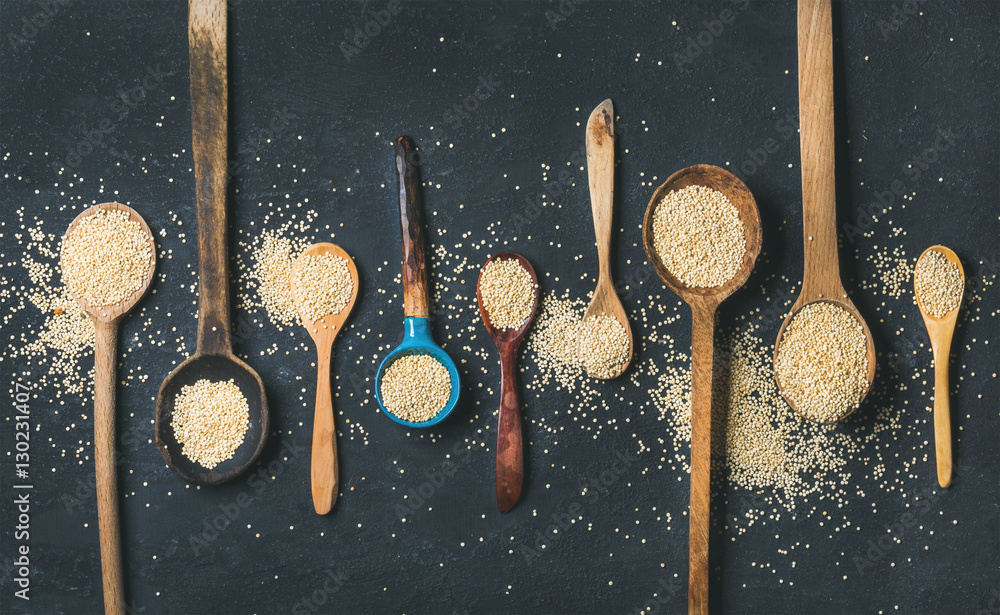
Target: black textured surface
x=907, y=70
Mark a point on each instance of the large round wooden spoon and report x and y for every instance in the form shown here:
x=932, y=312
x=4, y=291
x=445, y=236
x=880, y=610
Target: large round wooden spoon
x=214, y=359
x=940, y=330
x=821, y=272
x=325, y=471
x=601, y=176
x=703, y=302
x=106, y=320
x=510, y=448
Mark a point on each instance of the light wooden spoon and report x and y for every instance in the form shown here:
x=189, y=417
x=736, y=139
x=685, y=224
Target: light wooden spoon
x=940, y=330
x=821, y=270
x=106, y=320
x=703, y=302
x=325, y=472
x=601, y=175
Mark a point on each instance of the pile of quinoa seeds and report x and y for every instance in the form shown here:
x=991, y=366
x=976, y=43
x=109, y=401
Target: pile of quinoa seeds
x=822, y=361
x=938, y=283
x=415, y=387
x=604, y=346
x=324, y=283
x=210, y=421
x=508, y=292
x=698, y=236
x=106, y=258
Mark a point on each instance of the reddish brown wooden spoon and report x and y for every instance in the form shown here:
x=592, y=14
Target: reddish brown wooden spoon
x=510, y=449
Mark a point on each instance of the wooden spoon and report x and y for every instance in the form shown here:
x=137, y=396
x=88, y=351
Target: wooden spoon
x=821, y=272
x=325, y=472
x=601, y=175
x=703, y=302
x=510, y=451
x=106, y=320
x=940, y=330
x=214, y=359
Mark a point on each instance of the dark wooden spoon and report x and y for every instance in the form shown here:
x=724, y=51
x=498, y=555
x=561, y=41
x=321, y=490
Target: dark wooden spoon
x=214, y=359
x=510, y=447
x=703, y=302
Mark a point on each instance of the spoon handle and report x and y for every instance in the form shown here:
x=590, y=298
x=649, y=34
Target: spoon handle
x=510, y=451
x=416, y=302
x=209, y=111
x=105, y=343
x=325, y=470
x=702, y=356
x=821, y=275
x=942, y=417
x=601, y=177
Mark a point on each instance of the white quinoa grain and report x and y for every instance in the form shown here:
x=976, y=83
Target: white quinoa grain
x=106, y=257
x=604, y=346
x=210, y=421
x=415, y=387
x=324, y=283
x=822, y=362
x=698, y=236
x=508, y=293
x=938, y=283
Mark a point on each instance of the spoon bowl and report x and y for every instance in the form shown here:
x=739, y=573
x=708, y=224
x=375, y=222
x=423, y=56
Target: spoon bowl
x=105, y=388
x=215, y=367
x=703, y=303
x=325, y=467
x=510, y=446
x=417, y=340
x=940, y=331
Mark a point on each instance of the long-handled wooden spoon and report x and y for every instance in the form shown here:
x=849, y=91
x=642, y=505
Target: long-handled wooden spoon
x=703, y=302
x=940, y=330
x=821, y=273
x=601, y=176
x=214, y=359
x=510, y=449
x=325, y=470
x=106, y=320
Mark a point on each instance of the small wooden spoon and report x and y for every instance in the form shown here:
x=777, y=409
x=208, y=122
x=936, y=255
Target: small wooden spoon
x=821, y=272
x=213, y=359
x=106, y=320
x=601, y=175
x=940, y=330
x=510, y=451
x=325, y=472
x=703, y=302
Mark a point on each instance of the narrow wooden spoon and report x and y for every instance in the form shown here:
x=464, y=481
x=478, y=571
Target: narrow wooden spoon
x=106, y=320
x=940, y=330
x=325, y=471
x=703, y=302
x=821, y=272
x=510, y=449
x=601, y=175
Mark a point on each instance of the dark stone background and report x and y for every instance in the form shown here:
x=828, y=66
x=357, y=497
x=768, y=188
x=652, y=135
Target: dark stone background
x=901, y=79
